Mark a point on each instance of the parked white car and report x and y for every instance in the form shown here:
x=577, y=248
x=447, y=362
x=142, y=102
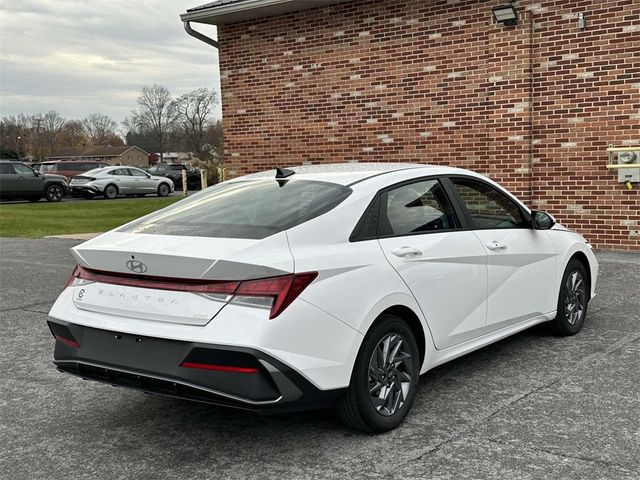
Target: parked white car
x=119, y=180
x=312, y=286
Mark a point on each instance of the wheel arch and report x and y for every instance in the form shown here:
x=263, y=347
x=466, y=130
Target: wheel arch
x=111, y=184
x=409, y=316
x=163, y=182
x=582, y=258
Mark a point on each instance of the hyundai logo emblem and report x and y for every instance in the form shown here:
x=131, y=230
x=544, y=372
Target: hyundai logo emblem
x=136, y=266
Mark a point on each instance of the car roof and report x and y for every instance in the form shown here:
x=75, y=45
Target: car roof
x=350, y=173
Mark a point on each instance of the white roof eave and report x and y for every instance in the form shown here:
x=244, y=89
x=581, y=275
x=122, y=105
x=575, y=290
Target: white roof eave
x=250, y=10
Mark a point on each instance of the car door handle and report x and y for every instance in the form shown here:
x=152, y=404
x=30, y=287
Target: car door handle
x=406, y=252
x=496, y=246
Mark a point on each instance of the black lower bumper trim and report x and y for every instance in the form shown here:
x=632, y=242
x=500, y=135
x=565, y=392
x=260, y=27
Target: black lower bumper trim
x=80, y=190
x=153, y=365
x=147, y=383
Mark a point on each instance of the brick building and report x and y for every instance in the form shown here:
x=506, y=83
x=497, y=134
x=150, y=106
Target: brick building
x=534, y=105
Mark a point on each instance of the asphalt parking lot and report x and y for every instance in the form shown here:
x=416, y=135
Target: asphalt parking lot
x=533, y=406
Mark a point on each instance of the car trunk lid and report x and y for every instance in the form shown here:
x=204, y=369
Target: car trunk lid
x=155, y=262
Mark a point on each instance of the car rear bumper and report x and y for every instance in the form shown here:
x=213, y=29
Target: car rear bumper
x=222, y=375
x=83, y=189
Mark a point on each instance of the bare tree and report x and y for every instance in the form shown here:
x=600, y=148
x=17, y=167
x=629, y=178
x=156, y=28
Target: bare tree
x=72, y=134
x=15, y=134
x=194, y=115
x=99, y=128
x=52, y=125
x=155, y=114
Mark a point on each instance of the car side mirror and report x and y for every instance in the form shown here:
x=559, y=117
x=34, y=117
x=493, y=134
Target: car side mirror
x=542, y=220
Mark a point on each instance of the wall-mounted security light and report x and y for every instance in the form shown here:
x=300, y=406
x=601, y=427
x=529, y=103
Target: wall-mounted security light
x=505, y=14
x=582, y=21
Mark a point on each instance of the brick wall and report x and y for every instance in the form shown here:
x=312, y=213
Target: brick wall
x=532, y=106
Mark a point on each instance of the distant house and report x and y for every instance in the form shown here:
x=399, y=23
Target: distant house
x=120, y=155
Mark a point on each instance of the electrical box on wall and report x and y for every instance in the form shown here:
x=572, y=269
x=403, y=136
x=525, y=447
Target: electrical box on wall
x=626, y=161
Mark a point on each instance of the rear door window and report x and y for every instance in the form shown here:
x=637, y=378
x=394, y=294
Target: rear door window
x=246, y=209
x=137, y=173
x=119, y=171
x=419, y=207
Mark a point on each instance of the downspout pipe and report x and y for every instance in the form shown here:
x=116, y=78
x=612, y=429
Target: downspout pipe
x=198, y=35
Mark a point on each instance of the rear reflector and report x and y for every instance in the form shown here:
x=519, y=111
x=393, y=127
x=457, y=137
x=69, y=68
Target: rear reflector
x=218, y=368
x=62, y=334
x=66, y=341
x=281, y=290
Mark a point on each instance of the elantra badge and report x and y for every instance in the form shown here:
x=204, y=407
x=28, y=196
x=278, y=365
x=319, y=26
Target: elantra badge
x=136, y=266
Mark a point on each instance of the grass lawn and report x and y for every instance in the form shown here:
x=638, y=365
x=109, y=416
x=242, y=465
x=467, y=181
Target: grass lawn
x=43, y=218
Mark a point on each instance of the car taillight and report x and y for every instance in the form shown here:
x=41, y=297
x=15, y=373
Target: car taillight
x=73, y=276
x=280, y=291
x=276, y=293
x=149, y=281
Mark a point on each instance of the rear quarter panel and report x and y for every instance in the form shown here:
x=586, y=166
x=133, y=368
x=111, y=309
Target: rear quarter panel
x=355, y=282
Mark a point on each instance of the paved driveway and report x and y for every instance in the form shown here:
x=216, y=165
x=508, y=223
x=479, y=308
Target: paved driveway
x=533, y=406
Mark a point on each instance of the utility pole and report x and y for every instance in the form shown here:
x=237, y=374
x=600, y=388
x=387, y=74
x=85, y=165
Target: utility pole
x=18, y=149
x=38, y=122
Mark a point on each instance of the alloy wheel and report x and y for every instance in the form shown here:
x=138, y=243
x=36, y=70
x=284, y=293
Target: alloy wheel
x=574, y=297
x=111, y=192
x=54, y=193
x=390, y=374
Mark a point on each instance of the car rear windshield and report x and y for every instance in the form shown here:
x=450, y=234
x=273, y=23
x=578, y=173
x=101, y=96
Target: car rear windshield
x=246, y=209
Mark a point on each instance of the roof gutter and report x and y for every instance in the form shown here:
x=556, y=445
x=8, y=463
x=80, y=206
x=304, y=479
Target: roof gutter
x=198, y=35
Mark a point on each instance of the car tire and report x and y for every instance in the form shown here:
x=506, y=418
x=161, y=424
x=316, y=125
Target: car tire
x=54, y=193
x=370, y=412
x=164, y=189
x=110, y=192
x=572, y=300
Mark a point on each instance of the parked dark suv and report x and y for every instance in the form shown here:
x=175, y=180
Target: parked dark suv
x=17, y=180
x=174, y=172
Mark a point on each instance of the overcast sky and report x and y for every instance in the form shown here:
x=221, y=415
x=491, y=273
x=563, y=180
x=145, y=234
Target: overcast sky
x=80, y=57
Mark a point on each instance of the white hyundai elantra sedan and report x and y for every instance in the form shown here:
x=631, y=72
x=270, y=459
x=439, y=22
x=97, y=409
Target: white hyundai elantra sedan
x=314, y=286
